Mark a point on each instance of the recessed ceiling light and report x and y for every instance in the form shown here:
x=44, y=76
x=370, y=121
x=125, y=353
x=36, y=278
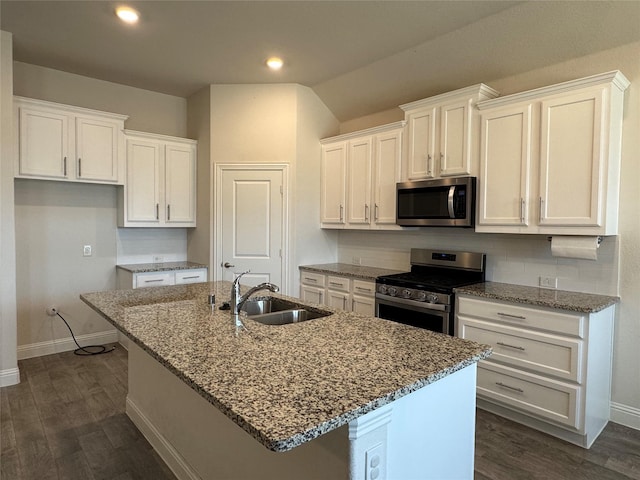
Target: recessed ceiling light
x=274, y=63
x=127, y=14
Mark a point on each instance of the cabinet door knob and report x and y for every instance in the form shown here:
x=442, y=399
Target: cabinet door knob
x=168, y=212
x=157, y=211
x=79, y=167
x=64, y=166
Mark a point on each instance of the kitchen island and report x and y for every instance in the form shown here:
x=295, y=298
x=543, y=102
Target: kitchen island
x=343, y=396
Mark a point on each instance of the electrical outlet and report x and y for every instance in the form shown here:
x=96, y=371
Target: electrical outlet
x=86, y=251
x=548, y=282
x=356, y=260
x=52, y=311
x=374, y=465
x=158, y=259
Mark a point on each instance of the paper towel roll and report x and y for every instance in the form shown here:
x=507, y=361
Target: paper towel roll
x=575, y=247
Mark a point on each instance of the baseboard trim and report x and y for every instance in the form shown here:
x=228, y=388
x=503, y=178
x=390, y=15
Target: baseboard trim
x=625, y=415
x=65, y=344
x=178, y=465
x=10, y=376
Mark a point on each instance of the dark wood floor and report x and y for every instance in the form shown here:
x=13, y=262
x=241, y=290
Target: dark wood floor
x=66, y=420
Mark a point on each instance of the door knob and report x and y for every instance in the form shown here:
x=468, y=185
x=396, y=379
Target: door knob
x=227, y=265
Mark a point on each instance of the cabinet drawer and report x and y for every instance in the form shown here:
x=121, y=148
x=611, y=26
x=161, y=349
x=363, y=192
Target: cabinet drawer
x=531, y=394
x=338, y=283
x=536, y=351
x=191, y=276
x=153, y=279
x=313, y=279
x=364, y=288
x=508, y=313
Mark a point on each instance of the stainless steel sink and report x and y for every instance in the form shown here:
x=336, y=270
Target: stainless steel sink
x=276, y=311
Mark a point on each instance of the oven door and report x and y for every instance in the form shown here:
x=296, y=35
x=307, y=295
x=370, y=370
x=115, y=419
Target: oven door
x=417, y=316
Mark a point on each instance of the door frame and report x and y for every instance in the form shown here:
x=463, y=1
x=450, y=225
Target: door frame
x=217, y=247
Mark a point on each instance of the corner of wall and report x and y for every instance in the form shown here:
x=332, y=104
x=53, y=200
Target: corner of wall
x=9, y=373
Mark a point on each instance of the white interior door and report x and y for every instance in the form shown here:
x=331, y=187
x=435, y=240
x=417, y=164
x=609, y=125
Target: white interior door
x=251, y=223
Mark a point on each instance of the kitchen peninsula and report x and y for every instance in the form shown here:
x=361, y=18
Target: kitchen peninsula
x=343, y=396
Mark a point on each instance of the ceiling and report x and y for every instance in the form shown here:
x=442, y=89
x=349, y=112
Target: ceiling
x=360, y=57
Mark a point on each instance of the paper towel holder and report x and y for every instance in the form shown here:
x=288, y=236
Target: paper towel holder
x=600, y=238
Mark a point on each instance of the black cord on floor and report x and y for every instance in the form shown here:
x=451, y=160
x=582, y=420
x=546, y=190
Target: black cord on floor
x=83, y=350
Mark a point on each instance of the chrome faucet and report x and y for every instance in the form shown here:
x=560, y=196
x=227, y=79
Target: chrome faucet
x=238, y=300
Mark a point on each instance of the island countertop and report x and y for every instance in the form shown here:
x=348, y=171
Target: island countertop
x=287, y=384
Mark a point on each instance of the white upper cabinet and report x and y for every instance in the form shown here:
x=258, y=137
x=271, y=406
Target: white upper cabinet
x=359, y=175
x=333, y=184
x=550, y=159
x=161, y=182
x=442, y=134
x=61, y=142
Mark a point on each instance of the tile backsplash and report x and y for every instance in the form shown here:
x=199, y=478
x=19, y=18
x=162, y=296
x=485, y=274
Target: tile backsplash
x=518, y=259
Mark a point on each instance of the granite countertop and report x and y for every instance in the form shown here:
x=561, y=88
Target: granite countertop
x=348, y=270
x=159, y=267
x=544, y=297
x=287, y=384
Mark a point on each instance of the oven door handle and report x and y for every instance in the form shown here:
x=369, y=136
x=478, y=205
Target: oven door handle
x=452, y=191
x=387, y=300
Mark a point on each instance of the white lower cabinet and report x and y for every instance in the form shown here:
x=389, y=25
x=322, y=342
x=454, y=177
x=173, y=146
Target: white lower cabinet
x=127, y=279
x=344, y=293
x=550, y=369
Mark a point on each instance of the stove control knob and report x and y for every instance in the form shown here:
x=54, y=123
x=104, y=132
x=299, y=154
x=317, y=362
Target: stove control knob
x=392, y=291
x=421, y=296
x=382, y=289
x=406, y=293
x=432, y=298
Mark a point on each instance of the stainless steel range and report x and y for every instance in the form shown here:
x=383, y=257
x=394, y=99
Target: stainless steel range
x=424, y=296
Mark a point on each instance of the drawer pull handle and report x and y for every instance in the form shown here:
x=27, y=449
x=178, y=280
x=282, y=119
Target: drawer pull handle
x=314, y=280
x=510, y=346
x=197, y=276
x=515, y=389
x=363, y=289
x=519, y=317
x=335, y=284
x=153, y=281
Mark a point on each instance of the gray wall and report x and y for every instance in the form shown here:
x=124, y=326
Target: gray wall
x=8, y=361
x=54, y=219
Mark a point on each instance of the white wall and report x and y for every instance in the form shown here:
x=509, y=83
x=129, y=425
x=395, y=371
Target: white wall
x=9, y=374
x=522, y=259
x=277, y=123
x=312, y=244
x=54, y=219
x=200, y=239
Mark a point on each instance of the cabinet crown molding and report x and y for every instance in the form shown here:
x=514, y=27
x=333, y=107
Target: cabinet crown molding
x=360, y=133
x=615, y=78
x=158, y=136
x=481, y=90
x=67, y=108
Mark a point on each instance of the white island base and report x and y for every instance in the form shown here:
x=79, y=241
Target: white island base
x=428, y=434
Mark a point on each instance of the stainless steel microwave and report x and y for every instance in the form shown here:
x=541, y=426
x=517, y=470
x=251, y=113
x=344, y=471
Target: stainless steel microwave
x=442, y=202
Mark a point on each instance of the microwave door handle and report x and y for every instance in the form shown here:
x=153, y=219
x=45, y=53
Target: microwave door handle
x=452, y=190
